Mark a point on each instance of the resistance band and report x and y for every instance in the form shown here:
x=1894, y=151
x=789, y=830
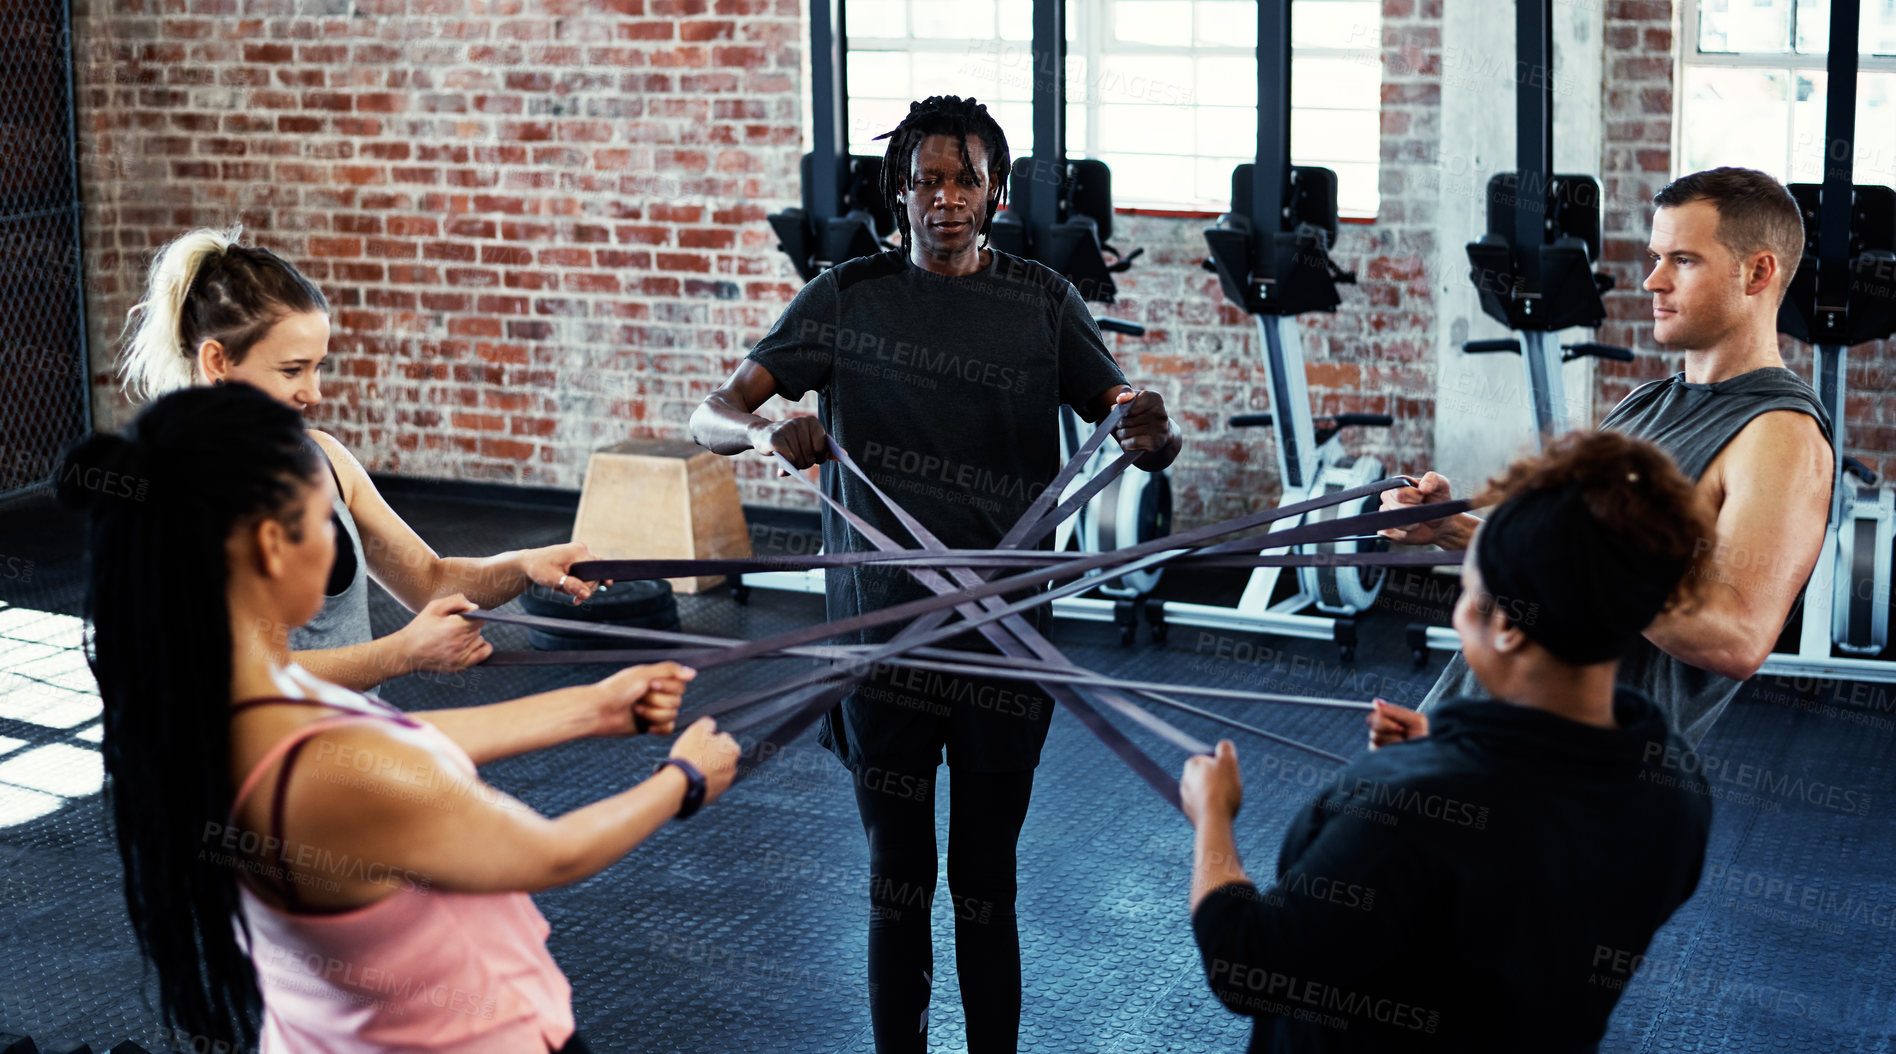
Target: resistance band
x=1026, y=655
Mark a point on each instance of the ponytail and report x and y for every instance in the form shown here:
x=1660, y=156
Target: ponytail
x=156, y=358
x=206, y=286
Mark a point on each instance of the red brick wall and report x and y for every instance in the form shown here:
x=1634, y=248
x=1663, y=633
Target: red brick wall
x=540, y=223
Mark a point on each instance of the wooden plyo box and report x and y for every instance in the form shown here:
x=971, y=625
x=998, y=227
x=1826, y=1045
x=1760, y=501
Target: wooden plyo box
x=661, y=499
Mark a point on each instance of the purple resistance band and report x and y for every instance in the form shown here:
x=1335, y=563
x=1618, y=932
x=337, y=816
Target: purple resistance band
x=1026, y=654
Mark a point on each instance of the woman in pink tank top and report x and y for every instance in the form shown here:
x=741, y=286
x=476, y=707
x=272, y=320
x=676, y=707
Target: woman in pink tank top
x=295, y=846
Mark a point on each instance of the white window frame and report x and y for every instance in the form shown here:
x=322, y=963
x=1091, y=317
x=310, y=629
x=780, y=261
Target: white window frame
x=1094, y=40
x=1791, y=63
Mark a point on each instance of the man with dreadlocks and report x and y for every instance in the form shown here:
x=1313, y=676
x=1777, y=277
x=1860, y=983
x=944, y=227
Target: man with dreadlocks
x=941, y=370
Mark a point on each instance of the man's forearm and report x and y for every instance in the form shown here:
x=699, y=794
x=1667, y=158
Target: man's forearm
x=1456, y=531
x=723, y=428
x=1713, y=637
x=1215, y=860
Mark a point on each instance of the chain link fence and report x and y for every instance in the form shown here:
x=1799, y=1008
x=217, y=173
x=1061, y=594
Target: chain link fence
x=43, y=372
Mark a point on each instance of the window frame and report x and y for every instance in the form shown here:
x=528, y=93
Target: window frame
x=1094, y=41
x=1791, y=62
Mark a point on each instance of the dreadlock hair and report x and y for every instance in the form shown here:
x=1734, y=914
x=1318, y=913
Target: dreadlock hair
x=943, y=115
x=198, y=464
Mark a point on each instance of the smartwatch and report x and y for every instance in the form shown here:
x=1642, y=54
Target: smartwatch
x=694, y=785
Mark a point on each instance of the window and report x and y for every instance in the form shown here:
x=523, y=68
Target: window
x=1752, y=88
x=1172, y=104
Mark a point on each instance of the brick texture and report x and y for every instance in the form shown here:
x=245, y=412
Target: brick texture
x=541, y=223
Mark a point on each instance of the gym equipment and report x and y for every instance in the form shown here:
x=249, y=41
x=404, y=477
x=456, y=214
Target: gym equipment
x=1840, y=296
x=843, y=215
x=1533, y=269
x=643, y=603
x=1134, y=507
x=661, y=497
x=1271, y=253
x=1060, y=213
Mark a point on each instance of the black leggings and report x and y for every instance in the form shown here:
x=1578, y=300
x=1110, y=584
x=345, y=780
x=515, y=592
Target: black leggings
x=985, y=813
x=575, y=1045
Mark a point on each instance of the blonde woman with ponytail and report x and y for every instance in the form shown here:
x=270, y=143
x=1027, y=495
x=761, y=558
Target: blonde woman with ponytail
x=219, y=311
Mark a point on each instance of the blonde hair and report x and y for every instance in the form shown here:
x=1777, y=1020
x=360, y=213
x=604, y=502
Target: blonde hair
x=206, y=286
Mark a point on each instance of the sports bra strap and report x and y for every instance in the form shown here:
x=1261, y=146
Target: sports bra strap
x=284, y=746
x=287, y=749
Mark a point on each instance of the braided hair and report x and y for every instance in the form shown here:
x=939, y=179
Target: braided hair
x=942, y=115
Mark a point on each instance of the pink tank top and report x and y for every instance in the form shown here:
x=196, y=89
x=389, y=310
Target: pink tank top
x=419, y=970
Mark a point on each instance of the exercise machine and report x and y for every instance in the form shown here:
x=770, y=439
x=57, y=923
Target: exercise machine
x=843, y=214
x=1841, y=296
x=1271, y=253
x=1060, y=213
x=1533, y=269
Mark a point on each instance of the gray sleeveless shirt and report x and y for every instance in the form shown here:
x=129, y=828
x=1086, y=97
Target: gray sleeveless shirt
x=344, y=619
x=1691, y=422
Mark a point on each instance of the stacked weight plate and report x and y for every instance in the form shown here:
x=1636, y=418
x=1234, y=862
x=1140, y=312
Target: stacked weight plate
x=646, y=604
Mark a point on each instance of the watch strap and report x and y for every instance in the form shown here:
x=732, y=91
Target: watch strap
x=694, y=786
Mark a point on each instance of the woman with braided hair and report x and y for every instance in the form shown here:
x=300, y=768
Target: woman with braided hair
x=291, y=843
x=941, y=369
x=217, y=310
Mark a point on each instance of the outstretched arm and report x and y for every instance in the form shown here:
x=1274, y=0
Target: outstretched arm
x=1772, y=486
x=1340, y=909
x=382, y=808
x=410, y=569
x=611, y=707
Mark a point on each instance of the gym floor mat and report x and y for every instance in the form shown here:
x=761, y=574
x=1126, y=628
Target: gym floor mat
x=743, y=930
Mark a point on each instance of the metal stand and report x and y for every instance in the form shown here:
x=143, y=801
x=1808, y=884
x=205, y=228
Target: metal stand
x=1271, y=253
x=1839, y=297
x=1311, y=462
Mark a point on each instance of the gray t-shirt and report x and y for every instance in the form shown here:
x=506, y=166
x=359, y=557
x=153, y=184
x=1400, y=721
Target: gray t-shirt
x=1691, y=422
x=946, y=390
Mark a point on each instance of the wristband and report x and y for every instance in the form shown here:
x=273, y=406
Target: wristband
x=694, y=785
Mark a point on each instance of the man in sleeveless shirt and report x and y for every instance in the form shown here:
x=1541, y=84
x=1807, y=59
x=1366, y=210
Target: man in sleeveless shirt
x=1750, y=433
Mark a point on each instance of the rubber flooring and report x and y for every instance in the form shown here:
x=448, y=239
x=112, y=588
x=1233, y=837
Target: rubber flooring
x=743, y=929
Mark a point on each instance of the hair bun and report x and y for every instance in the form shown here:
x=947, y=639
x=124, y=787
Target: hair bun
x=101, y=468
